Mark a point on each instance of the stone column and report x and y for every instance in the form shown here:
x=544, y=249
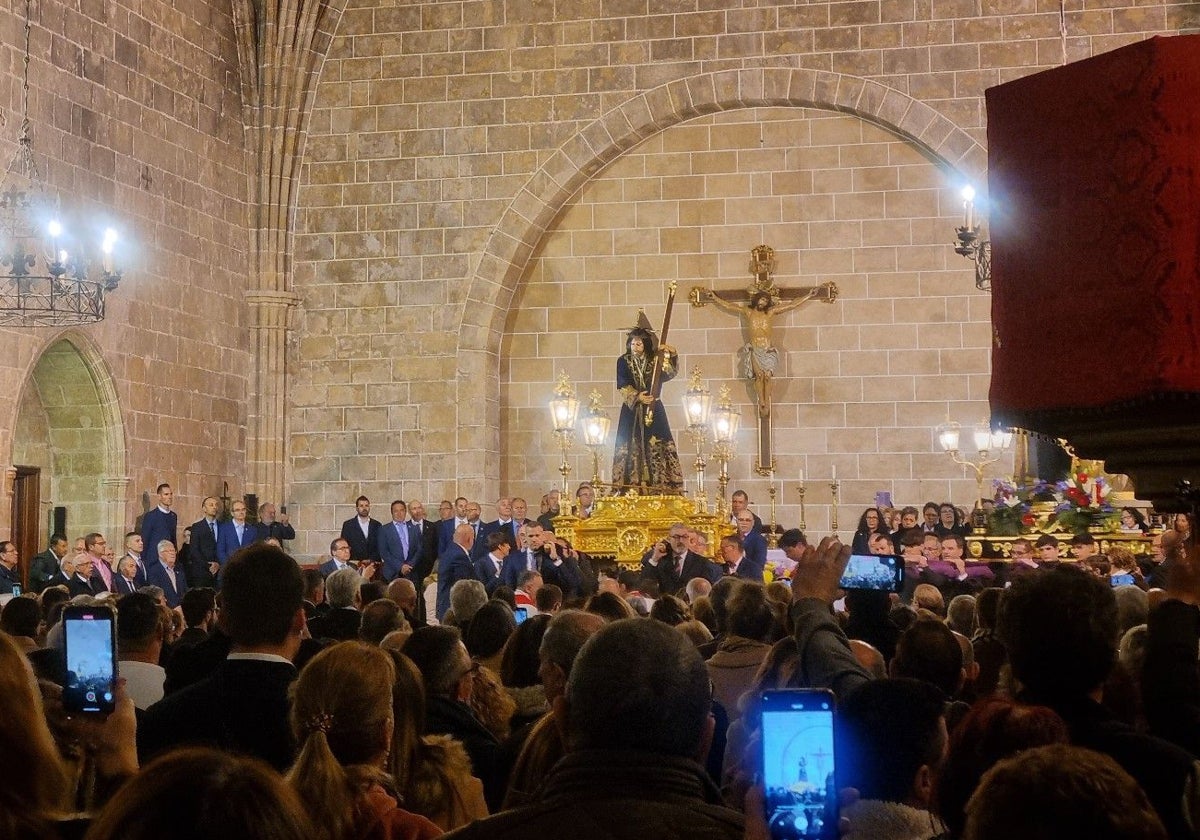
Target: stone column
x=265, y=445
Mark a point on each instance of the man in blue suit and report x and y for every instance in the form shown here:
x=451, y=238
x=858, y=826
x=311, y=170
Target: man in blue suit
x=235, y=534
x=159, y=524
x=754, y=544
x=166, y=576
x=400, y=545
x=454, y=565
x=489, y=567
x=736, y=562
x=339, y=558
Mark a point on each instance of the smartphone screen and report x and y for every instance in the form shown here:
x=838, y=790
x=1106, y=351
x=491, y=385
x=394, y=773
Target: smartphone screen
x=91, y=655
x=883, y=572
x=521, y=613
x=798, y=763
x=16, y=590
x=1122, y=580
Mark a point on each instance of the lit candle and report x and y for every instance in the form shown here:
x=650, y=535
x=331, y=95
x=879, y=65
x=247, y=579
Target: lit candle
x=835, y=472
x=801, y=478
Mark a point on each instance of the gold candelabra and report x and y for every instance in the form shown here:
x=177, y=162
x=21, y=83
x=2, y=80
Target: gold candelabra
x=801, y=490
x=991, y=444
x=772, y=536
x=836, y=487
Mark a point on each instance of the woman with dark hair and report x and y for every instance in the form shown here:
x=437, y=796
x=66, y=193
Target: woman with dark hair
x=671, y=610
x=519, y=666
x=950, y=522
x=871, y=522
x=1132, y=521
x=644, y=458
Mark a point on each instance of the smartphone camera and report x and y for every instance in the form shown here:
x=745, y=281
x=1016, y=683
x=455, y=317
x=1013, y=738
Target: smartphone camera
x=798, y=764
x=90, y=636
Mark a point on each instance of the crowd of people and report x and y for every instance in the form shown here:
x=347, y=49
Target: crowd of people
x=543, y=691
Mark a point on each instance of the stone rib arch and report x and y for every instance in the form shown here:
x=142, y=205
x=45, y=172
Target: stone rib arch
x=70, y=383
x=543, y=197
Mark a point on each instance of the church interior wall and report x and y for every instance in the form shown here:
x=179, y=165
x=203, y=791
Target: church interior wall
x=431, y=123
x=136, y=121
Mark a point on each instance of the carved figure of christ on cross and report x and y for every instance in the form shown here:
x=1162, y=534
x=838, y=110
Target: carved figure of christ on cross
x=757, y=307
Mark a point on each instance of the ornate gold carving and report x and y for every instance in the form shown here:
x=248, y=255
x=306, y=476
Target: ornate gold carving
x=623, y=527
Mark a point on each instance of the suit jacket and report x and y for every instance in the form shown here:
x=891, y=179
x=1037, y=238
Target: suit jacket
x=669, y=580
x=517, y=562
x=755, y=561
x=454, y=565
x=161, y=577
x=393, y=554
x=228, y=542
x=241, y=707
x=567, y=576
x=362, y=548
x=157, y=526
x=41, y=568
x=77, y=585
x=8, y=579
x=340, y=625
x=485, y=570
x=127, y=587
x=329, y=567
x=429, y=554
x=507, y=529
x=202, y=550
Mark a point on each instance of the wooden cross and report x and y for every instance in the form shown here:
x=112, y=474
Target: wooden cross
x=757, y=307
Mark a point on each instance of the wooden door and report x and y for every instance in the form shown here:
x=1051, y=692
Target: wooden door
x=26, y=516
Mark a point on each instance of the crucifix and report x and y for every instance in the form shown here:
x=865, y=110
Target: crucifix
x=757, y=307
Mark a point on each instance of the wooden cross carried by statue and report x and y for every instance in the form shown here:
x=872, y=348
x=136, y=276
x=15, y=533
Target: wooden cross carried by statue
x=757, y=307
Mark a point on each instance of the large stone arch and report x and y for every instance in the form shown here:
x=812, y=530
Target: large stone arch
x=542, y=198
x=68, y=422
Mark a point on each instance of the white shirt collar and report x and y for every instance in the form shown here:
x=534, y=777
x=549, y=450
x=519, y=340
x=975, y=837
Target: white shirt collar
x=260, y=657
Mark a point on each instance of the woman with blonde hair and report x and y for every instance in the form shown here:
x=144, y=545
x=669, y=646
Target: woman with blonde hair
x=342, y=719
x=431, y=772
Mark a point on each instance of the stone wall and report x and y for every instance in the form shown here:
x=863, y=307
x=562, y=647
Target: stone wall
x=136, y=121
x=480, y=174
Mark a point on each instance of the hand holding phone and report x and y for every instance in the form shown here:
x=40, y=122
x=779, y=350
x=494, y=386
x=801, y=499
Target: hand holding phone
x=90, y=641
x=798, y=772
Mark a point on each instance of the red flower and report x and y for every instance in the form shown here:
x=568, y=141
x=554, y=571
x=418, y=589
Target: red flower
x=1082, y=477
x=1027, y=519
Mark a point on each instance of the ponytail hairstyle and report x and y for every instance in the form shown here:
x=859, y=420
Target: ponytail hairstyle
x=341, y=717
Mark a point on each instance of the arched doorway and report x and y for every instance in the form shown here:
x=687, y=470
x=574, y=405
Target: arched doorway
x=68, y=428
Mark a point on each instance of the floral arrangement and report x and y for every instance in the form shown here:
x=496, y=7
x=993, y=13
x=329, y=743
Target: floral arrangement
x=1084, y=502
x=1012, y=512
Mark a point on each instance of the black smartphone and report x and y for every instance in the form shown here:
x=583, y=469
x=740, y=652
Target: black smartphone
x=798, y=770
x=521, y=613
x=883, y=572
x=90, y=640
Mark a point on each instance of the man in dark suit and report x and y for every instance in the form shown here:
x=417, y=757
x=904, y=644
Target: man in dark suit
x=234, y=534
x=561, y=567
x=754, y=544
x=528, y=556
x=739, y=502
x=243, y=705
x=125, y=581
x=672, y=564
x=447, y=526
x=361, y=532
x=10, y=575
x=133, y=550
x=503, y=524
x=343, y=619
x=339, y=558
x=202, y=563
x=454, y=565
x=427, y=559
x=159, y=523
x=399, y=544
x=269, y=527
x=45, y=565
x=490, y=565
x=83, y=579
x=166, y=576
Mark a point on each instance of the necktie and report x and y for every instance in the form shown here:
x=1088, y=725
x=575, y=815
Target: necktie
x=403, y=531
x=529, y=559
x=213, y=525
x=679, y=565
x=239, y=529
